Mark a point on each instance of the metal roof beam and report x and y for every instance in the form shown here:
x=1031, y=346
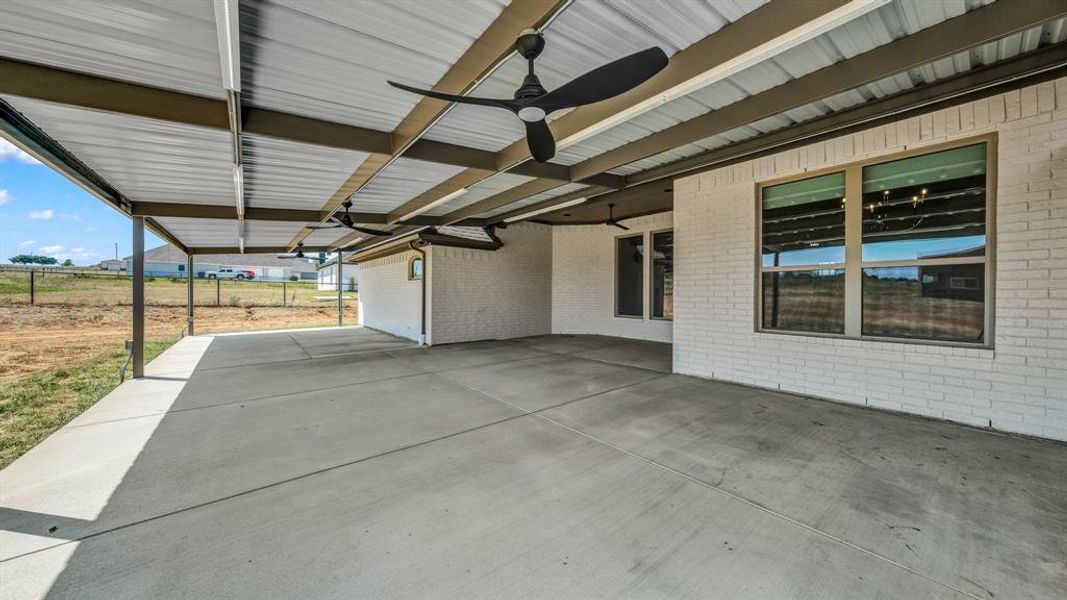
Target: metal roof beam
x=484, y=55
x=974, y=28
x=216, y=211
x=1029, y=69
x=735, y=42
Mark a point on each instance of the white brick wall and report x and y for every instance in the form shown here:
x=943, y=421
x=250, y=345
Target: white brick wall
x=478, y=295
x=1020, y=385
x=388, y=301
x=583, y=281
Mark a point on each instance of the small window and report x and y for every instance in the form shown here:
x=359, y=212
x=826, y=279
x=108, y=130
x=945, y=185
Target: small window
x=663, y=275
x=415, y=268
x=629, y=276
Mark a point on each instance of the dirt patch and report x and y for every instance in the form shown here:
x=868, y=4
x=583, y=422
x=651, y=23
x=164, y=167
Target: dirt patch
x=37, y=338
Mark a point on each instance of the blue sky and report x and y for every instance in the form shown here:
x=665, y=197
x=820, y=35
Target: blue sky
x=41, y=212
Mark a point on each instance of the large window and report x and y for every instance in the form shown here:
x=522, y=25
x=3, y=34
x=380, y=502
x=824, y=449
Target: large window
x=629, y=276
x=894, y=249
x=662, y=275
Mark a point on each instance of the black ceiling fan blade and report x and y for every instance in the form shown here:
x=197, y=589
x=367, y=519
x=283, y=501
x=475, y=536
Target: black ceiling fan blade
x=539, y=139
x=606, y=81
x=622, y=227
x=507, y=104
x=368, y=231
x=322, y=226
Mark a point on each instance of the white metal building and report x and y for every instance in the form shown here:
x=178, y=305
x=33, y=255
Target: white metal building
x=858, y=200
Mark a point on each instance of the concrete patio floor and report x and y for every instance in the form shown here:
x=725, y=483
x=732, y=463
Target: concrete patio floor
x=348, y=463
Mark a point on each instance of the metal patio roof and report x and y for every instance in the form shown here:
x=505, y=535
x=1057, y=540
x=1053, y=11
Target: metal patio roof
x=132, y=99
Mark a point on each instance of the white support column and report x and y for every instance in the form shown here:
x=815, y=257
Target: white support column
x=137, y=350
x=340, y=290
x=189, y=276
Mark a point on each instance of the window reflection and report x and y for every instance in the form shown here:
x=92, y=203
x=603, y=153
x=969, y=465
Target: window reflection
x=930, y=206
x=629, y=276
x=811, y=301
x=942, y=302
x=804, y=222
x=663, y=275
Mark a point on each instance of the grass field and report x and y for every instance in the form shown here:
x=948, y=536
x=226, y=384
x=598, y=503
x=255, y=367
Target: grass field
x=58, y=360
x=103, y=289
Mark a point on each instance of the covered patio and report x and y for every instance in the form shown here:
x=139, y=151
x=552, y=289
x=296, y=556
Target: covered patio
x=342, y=463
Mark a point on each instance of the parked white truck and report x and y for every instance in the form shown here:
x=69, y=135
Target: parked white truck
x=230, y=273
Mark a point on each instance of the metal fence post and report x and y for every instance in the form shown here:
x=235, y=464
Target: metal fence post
x=284, y=294
x=218, y=292
x=33, y=279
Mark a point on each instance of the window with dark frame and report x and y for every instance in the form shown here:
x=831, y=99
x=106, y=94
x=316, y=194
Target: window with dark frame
x=921, y=257
x=662, y=305
x=629, y=276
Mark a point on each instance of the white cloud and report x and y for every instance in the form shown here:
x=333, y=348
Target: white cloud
x=70, y=217
x=9, y=150
x=78, y=253
x=4, y=197
x=42, y=214
x=27, y=243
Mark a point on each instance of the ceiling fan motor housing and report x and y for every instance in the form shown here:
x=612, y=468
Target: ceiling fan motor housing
x=530, y=44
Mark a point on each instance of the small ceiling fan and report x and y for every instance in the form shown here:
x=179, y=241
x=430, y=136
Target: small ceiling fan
x=298, y=254
x=345, y=220
x=532, y=103
x=611, y=219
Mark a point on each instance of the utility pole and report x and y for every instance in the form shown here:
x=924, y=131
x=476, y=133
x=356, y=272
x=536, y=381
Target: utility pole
x=116, y=250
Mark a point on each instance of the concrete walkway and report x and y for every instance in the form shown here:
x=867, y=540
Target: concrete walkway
x=347, y=463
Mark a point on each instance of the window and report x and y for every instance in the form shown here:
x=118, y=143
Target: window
x=662, y=275
x=906, y=258
x=629, y=276
x=803, y=255
x=415, y=268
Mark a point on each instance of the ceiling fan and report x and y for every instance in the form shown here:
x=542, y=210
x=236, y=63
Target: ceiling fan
x=298, y=254
x=532, y=103
x=345, y=220
x=611, y=219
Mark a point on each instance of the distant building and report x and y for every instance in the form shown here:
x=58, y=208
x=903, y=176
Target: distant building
x=168, y=261
x=112, y=264
x=328, y=276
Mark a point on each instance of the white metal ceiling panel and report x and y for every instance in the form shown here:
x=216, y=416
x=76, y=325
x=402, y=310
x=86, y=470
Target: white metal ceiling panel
x=485, y=188
x=327, y=237
x=285, y=174
x=331, y=60
x=553, y=193
x=880, y=26
x=207, y=233
x=1054, y=32
x=586, y=35
x=162, y=43
x=145, y=159
x=401, y=181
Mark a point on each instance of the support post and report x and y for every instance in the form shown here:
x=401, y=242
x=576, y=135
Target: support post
x=137, y=351
x=284, y=293
x=33, y=283
x=218, y=291
x=340, y=291
x=189, y=292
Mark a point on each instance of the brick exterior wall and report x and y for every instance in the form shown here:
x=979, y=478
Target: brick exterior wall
x=479, y=295
x=583, y=281
x=1019, y=386
x=388, y=300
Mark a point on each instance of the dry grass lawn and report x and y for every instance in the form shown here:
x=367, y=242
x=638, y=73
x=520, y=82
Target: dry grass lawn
x=57, y=361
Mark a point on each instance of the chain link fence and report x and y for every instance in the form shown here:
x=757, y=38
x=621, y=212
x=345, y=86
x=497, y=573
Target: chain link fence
x=52, y=287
